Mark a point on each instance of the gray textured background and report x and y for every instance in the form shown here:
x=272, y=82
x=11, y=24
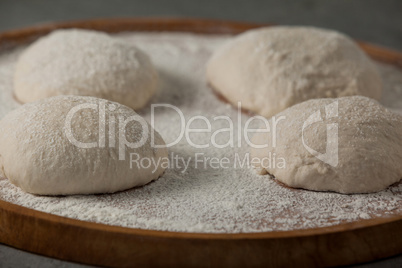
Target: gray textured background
x=372, y=20
x=376, y=21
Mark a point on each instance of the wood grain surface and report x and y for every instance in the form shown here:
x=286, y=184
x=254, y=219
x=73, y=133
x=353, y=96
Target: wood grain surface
x=104, y=245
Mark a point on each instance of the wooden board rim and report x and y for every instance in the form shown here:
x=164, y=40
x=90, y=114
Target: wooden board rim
x=31, y=213
x=11, y=212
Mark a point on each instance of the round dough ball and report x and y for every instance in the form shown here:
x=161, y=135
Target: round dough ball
x=270, y=69
x=346, y=145
x=64, y=145
x=85, y=63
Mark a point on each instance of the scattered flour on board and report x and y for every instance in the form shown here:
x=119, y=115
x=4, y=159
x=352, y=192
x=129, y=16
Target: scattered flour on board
x=198, y=199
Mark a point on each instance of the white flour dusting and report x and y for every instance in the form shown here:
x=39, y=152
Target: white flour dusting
x=226, y=200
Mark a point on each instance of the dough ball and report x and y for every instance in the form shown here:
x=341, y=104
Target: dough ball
x=346, y=145
x=71, y=145
x=270, y=69
x=85, y=63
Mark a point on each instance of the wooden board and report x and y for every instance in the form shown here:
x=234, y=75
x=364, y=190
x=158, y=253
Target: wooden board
x=99, y=244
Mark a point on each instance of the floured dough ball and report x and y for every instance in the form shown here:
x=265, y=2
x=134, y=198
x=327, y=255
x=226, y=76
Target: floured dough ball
x=270, y=69
x=85, y=63
x=346, y=145
x=78, y=145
